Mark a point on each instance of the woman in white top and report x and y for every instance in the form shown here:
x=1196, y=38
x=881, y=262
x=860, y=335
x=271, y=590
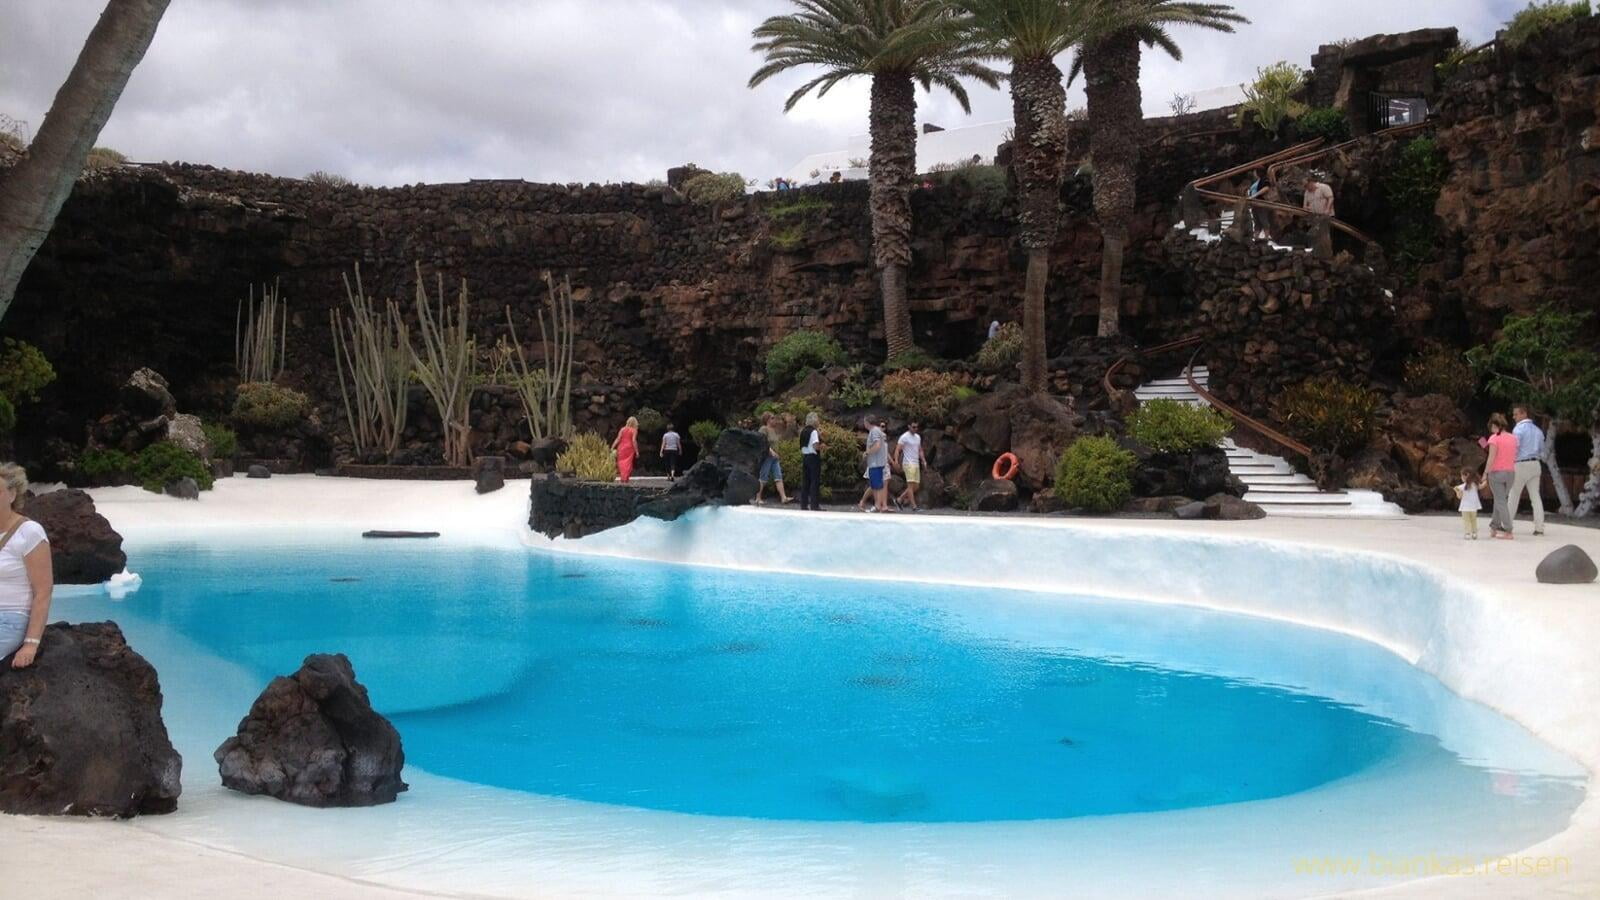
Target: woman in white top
x=26, y=578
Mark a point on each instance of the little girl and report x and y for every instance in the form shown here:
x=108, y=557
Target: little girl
x=1467, y=492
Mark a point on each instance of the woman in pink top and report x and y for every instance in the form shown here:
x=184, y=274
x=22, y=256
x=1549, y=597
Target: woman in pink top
x=1499, y=471
x=627, y=447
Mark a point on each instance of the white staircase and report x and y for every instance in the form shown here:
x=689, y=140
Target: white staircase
x=1270, y=482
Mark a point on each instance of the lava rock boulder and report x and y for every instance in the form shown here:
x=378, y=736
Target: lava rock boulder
x=83, y=547
x=1567, y=565
x=312, y=738
x=995, y=495
x=81, y=731
x=489, y=473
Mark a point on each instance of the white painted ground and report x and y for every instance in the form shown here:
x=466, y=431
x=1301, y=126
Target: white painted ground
x=1478, y=622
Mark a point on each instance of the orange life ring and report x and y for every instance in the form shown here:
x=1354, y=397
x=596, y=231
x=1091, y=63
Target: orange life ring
x=1005, y=466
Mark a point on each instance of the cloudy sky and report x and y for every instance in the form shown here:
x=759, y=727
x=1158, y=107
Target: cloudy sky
x=400, y=91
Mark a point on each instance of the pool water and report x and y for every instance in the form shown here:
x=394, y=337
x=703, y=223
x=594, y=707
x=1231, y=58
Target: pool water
x=782, y=697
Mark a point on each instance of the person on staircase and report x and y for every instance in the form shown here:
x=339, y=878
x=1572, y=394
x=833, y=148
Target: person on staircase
x=1530, y=449
x=1318, y=199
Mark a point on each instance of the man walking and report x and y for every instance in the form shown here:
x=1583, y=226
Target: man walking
x=1318, y=199
x=1530, y=449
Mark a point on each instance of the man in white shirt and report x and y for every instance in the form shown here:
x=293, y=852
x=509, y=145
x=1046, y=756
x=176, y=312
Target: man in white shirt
x=1318, y=198
x=1530, y=449
x=911, y=462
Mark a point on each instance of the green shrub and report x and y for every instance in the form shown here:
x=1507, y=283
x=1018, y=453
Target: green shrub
x=1094, y=474
x=1328, y=414
x=798, y=352
x=803, y=208
x=588, y=457
x=268, y=407
x=853, y=392
x=922, y=393
x=714, y=187
x=1002, y=352
x=103, y=158
x=986, y=186
x=224, y=442
x=8, y=415
x=704, y=433
x=1414, y=181
x=1171, y=426
x=1272, y=96
x=1539, y=16
x=105, y=466
x=1325, y=122
x=787, y=238
x=915, y=358
x=1441, y=370
x=24, y=371
x=331, y=179
x=651, y=421
x=161, y=463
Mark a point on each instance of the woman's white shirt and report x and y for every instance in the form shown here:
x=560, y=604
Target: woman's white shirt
x=16, y=594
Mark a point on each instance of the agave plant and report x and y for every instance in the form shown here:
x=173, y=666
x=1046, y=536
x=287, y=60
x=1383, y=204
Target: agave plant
x=1109, y=64
x=899, y=44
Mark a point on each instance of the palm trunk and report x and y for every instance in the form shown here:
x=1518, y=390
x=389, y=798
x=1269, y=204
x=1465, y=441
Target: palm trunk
x=1116, y=118
x=1548, y=457
x=1039, y=108
x=1590, y=498
x=32, y=193
x=892, y=169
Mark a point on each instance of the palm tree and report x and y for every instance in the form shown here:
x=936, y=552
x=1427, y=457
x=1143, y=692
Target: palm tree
x=33, y=192
x=1110, y=66
x=1031, y=34
x=898, y=44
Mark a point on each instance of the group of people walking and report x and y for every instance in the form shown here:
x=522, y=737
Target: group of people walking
x=907, y=458
x=1512, y=467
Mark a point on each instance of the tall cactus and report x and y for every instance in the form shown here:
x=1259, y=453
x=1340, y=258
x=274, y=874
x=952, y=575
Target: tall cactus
x=260, y=335
x=546, y=392
x=446, y=365
x=372, y=353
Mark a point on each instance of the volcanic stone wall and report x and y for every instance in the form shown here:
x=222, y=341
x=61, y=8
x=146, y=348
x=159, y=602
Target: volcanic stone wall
x=1521, y=207
x=676, y=303
x=1273, y=317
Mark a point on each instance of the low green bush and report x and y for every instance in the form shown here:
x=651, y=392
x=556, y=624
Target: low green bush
x=266, y=406
x=1328, y=122
x=24, y=371
x=589, y=458
x=103, y=158
x=1171, y=426
x=714, y=187
x=1272, y=96
x=854, y=392
x=796, y=408
x=1002, y=352
x=1439, y=369
x=1536, y=17
x=1094, y=474
x=330, y=179
x=841, y=462
x=8, y=415
x=105, y=466
x=161, y=463
x=223, y=440
x=915, y=358
x=922, y=394
x=798, y=353
x=1328, y=414
x=650, y=421
x=704, y=433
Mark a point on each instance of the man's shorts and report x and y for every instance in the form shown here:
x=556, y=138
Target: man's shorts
x=875, y=477
x=913, y=473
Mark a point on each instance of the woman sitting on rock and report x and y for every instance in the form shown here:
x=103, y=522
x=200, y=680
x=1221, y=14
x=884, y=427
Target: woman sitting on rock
x=26, y=579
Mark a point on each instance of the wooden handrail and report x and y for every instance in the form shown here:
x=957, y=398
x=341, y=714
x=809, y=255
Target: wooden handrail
x=1112, y=391
x=1262, y=429
x=1333, y=222
x=1396, y=131
x=1255, y=163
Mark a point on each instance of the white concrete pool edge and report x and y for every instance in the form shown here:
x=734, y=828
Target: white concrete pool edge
x=1538, y=666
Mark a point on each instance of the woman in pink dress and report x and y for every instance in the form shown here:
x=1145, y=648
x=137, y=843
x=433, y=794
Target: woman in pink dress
x=626, y=446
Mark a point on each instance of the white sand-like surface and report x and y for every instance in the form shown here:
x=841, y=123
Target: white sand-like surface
x=1528, y=650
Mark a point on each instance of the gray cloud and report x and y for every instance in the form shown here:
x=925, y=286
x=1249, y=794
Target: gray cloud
x=397, y=91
